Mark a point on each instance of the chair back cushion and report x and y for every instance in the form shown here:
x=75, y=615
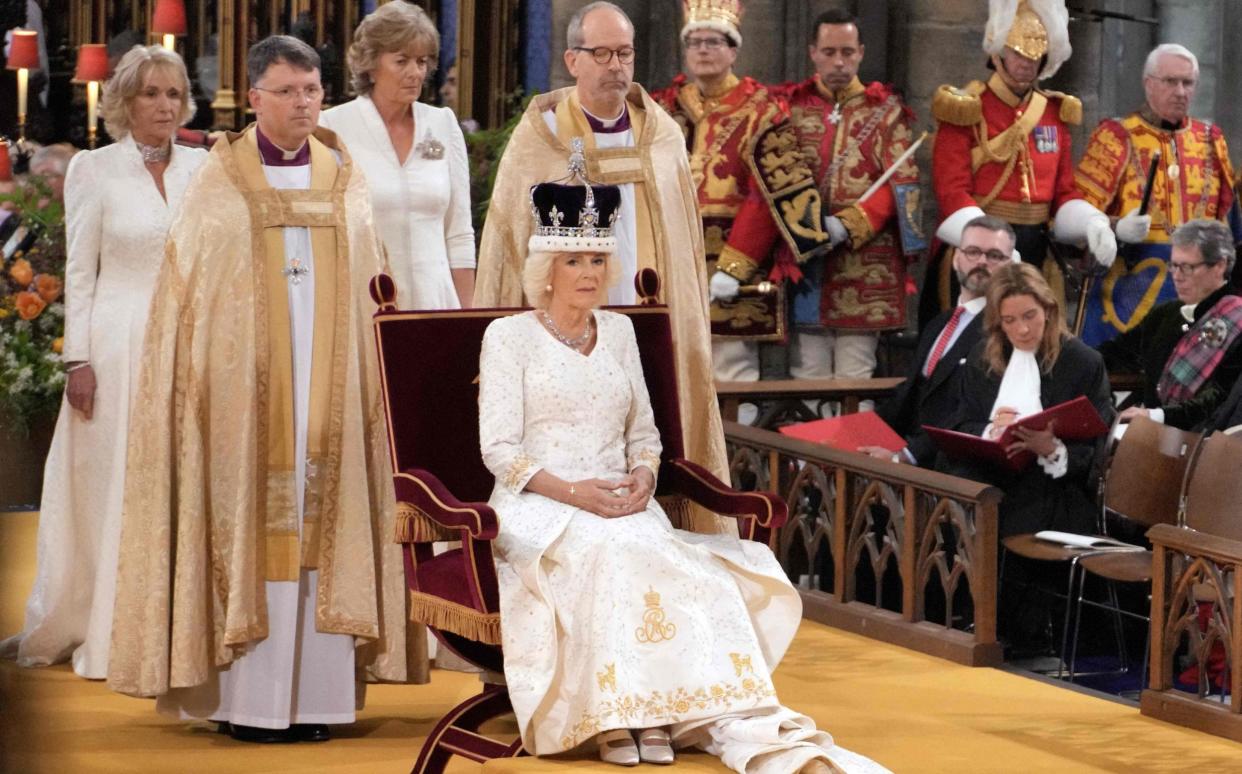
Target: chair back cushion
x=1144, y=479
x=429, y=363
x=1215, y=488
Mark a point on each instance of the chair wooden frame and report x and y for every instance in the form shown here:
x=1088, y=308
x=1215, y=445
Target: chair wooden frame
x=455, y=593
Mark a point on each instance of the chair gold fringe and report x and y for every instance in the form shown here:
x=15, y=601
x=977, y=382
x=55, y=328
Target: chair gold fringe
x=678, y=511
x=413, y=525
x=451, y=617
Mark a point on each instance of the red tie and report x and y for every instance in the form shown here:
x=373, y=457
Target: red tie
x=943, y=342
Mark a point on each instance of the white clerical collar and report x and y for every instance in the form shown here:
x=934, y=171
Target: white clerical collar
x=607, y=124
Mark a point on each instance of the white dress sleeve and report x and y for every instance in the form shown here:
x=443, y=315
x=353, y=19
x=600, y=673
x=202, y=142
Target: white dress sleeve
x=458, y=227
x=642, y=438
x=83, y=239
x=501, y=410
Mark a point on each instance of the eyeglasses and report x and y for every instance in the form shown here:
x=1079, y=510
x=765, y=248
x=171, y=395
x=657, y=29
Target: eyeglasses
x=1185, y=269
x=711, y=44
x=992, y=256
x=1173, y=83
x=289, y=94
x=603, y=55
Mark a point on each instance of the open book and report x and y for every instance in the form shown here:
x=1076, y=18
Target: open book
x=1094, y=542
x=1075, y=420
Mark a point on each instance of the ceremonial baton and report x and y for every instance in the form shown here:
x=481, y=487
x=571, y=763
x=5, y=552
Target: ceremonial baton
x=765, y=288
x=1129, y=251
x=1126, y=251
x=878, y=184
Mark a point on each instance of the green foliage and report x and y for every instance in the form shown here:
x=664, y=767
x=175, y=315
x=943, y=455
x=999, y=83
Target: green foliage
x=485, y=147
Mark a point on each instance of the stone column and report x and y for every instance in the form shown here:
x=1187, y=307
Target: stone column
x=1197, y=25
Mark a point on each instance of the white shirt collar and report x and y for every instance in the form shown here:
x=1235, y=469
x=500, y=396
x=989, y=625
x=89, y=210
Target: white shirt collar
x=975, y=305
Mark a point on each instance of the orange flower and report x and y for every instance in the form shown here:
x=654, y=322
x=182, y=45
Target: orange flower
x=29, y=305
x=21, y=272
x=58, y=344
x=48, y=287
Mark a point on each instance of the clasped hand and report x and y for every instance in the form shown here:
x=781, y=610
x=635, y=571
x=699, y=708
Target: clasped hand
x=1041, y=442
x=611, y=499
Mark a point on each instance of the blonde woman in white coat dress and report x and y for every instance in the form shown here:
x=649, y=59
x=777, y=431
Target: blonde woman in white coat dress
x=413, y=156
x=119, y=202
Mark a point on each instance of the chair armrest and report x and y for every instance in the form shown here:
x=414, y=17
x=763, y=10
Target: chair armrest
x=1195, y=543
x=695, y=483
x=422, y=489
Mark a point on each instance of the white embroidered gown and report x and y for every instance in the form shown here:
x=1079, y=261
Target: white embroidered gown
x=625, y=623
x=116, y=223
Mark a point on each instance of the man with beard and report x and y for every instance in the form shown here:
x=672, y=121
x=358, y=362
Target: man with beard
x=1193, y=179
x=928, y=396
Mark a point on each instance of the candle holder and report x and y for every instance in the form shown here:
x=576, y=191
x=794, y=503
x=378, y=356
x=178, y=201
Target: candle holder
x=168, y=19
x=92, y=69
x=23, y=57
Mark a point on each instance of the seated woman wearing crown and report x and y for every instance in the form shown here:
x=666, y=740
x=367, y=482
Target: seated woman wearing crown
x=615, y=623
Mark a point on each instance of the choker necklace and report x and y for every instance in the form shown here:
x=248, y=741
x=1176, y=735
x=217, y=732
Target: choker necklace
x=575, y=344
x=154, y=154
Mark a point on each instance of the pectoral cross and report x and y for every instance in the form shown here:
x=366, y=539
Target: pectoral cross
x=834, y=117
x=295, y=271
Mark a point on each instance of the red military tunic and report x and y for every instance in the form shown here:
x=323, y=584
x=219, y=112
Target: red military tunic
x=719, y=129
x=984, y=157
x=842, y=143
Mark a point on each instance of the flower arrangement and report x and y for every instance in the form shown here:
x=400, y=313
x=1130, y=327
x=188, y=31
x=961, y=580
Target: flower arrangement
x=32, y=314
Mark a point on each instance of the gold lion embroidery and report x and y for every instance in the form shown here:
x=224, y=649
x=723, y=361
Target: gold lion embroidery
x=741, y=664
x=654, y=629
x=608, y=678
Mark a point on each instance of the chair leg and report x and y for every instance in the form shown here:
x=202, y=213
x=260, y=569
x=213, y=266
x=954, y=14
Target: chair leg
x=1123, y=652
x=457, y=733
x=1069, y=594
x=1082, y=589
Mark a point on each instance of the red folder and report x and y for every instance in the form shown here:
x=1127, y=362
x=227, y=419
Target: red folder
x=1076, y=420
x=848, y=431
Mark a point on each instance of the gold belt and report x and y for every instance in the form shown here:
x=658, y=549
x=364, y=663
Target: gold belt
x=1020, y=213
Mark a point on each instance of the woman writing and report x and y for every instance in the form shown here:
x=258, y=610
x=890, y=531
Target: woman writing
x=1026, y=363
x=616, y=624
x=413, y=156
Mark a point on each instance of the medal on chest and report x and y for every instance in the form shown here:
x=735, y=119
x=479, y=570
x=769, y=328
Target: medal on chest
x=834, y=117
x=1046, y=139
x=295, y=271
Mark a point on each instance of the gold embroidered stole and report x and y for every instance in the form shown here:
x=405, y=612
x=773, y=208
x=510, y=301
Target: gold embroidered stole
x=616, y=166
x=273, y=210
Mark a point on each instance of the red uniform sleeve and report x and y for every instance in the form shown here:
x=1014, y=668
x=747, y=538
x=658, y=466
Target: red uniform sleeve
x=1065, y=189
x=952, y=178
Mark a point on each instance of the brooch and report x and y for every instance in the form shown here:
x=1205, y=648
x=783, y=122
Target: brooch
x=1214, y=332
x=430, y=148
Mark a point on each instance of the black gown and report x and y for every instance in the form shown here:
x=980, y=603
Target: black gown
x=1034, y=500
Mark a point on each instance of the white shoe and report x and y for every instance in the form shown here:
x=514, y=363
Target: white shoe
x=617, y=747
x=654, y=746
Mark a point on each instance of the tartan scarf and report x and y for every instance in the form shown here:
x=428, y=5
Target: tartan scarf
x=1200, y=350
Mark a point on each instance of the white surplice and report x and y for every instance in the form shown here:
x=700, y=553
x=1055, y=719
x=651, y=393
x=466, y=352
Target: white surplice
x=296, y=674
x=421, y=207
x=627, y=622
x=116, y=224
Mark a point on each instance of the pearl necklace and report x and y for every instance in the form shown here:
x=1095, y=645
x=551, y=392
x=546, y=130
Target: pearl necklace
x=574, y=344
x=154, y=154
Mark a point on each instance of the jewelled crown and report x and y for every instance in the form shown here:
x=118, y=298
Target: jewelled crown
x=723, y=16
x=575, y=217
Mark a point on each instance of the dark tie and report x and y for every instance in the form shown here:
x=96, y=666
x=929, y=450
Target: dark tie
x=942, y=343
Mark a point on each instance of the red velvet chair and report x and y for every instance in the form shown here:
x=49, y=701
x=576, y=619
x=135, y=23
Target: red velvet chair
x=429, y=364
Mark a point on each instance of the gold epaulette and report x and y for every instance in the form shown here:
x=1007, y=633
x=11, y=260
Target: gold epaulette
x=961, y=107
x=1071, y=106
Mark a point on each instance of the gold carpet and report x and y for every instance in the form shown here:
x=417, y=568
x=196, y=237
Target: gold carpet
x=911, y=712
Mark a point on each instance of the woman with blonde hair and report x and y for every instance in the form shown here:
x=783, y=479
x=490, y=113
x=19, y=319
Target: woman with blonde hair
x=119, y=203
x=619, y=631
x=414, y=158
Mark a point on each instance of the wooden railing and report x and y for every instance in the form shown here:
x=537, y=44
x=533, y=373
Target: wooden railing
x=890, y=551
x=1192, y=569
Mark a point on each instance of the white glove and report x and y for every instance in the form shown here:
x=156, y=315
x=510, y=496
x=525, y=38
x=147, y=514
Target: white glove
x=950, y=229
x=1133, y=227
x=1101, y=242
x=837, y=233
x=722, y=287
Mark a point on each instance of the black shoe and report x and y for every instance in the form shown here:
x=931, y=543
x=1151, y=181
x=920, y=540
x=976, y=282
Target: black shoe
x=310, y=732
x=223, y=727
x=261, y=735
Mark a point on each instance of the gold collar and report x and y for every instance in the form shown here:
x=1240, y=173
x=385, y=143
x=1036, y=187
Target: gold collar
x=853, y=89
x=729, y=84
x=1001, y=89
